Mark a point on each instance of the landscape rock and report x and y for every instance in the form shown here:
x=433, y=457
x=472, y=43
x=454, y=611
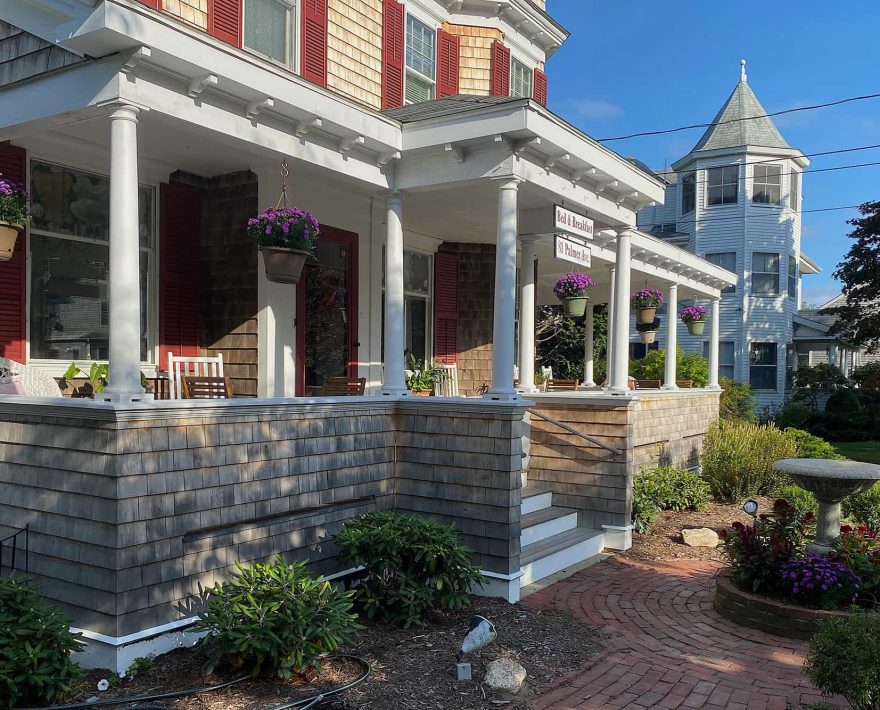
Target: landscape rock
x=505, y=674
x=700, y=537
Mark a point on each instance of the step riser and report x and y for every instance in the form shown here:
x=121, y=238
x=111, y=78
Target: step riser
x=538, y=502
x=549, y=528
x=553, y=563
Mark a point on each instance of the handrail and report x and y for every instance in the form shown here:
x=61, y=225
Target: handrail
x=571, y=430
x=14, y=547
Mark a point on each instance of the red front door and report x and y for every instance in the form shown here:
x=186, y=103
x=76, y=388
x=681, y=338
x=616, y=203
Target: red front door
x=326, y=312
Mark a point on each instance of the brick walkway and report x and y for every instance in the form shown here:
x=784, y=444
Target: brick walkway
x=667, y=648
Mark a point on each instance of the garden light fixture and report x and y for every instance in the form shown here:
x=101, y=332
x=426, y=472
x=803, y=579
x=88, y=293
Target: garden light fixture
x=750, y=507
x=481, y=633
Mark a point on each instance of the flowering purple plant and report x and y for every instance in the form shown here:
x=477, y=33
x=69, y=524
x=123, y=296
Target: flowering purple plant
x=573, y=285
x=820, y=582
x=647, y=298
x=13, y=202
x=694, y=313
x=286, y=227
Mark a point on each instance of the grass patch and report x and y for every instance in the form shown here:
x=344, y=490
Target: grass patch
x=867, y=451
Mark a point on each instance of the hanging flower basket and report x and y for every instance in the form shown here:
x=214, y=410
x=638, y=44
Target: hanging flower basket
x=648, y=331
x=13, y=215
x=648, y=336
x=645, y=303
x=574, y=291
x=287, y=236
x=694, y=318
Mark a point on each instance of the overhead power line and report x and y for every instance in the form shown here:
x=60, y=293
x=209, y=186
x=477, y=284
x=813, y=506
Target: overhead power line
x=738, y=120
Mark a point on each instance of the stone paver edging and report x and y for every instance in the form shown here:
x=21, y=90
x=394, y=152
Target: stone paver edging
x=666, y=647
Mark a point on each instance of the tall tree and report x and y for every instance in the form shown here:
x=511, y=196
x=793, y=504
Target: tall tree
x=560, y=342
x=858, y=320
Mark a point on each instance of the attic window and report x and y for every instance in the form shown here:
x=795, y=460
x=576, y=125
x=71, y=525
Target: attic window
x=520, y=79
x=421, y=51
x=723, y=185
x=767, y=185
x=267, y=29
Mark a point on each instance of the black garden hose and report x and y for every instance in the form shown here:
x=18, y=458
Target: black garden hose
x=302, y=704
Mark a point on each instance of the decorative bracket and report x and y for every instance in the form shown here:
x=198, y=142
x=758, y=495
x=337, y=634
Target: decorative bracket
x=385, y=158
x=456, y=150
x=347, y=144
x=135, y=58
x=198, y=85
x=553, y=162
x=254, y=108
x=606, y=184
x=517, y=147
x=306, y=125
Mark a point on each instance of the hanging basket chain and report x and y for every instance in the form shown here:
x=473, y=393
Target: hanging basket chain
x=285, y=172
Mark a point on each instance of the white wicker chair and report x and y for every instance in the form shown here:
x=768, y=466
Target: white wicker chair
x=447, y=382
x=31, y=381
x=183, y=366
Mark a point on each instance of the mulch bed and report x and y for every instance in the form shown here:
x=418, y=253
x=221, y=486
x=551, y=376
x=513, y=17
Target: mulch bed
x=412, y=668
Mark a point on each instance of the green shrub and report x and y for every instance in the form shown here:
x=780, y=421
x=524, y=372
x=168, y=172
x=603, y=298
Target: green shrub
x=737, y=400
x=864, y=507
x=867, y=376
x=797, y=497
x=738, y=458
x=666, y=488
x=812, y=447
x=844, y=659
x=792, y=415
x=412, y=565
x=843, y=402
x=689, y=366
x=35, y=646
x=274, y=618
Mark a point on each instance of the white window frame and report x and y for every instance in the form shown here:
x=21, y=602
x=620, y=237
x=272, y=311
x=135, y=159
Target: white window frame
x=722, y=185
x=529, y=73
x=726, y=289
x=721, y=363
x=428, y=298
x=292, y=59
x=689, y=179
x=777, y=273
x=793, y=274
x=761, y=203
x=775, y=366
x=794, y=190
x=407, y=69
x=58, y=367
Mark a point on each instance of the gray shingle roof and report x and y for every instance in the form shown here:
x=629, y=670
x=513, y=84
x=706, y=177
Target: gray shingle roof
x=734, y=132
x=447, y=106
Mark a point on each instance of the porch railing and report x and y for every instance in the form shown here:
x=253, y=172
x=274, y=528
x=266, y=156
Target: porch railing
x=11, y=550
x=572, y=430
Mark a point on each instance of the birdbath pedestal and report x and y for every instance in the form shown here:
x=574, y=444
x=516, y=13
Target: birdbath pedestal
x=830, y=481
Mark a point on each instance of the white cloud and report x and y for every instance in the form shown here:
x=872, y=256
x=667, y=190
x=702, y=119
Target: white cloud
x=592, y=109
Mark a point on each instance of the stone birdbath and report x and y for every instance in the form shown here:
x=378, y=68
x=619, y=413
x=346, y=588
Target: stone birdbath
x=830, y=481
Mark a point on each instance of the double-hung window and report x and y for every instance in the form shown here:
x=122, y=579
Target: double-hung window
x=689, y=193
x=767, y=184
x=268, y=28
x=794, y=193
x=726, y=260
x=765, y=273
x=723, y=185
x=726, y=357
x=520, y=79
x=792, y=276
x=763, y=366
x=421, y=52
x=70, y=263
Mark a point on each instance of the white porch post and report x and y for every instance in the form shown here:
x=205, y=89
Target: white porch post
x=588, y=347
x=620, y=373
x=671, y=338
x=393, y=381
x=527, y=316
x=714, y=330
x=125, y=277
x=505, y=293
x=609, y=331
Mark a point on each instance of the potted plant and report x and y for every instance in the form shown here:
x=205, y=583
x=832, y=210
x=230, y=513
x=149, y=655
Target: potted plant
x=574, y=290
x=13, y=215
x=694, y=318
x=645, y=303
x=287, y=236
x=648, y=331
x=421, y=376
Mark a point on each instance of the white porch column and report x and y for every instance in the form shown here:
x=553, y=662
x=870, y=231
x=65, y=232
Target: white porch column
x=714, y=330
x=671, y=337
x=619, y=382
x=609, y=329
x=505, y=293
x=125, y=277
x=527, y=316
x=395, y=342
x=588, y=347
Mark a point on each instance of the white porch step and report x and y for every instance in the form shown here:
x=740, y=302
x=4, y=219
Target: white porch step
x=553, y=554
x=534, y=499
x=547, y=522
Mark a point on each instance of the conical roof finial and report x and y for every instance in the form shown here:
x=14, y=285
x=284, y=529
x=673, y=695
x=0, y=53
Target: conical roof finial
x=742, y=72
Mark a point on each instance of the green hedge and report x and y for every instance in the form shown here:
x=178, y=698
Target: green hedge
x=666, y=488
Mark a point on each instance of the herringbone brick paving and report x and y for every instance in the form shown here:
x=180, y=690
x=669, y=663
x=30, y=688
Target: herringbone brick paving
x=667, y=648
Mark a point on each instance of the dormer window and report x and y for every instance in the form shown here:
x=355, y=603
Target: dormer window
x=767, y=185
x=723, y=185
x=421, y=50
x=520, y=79
x=267, y=29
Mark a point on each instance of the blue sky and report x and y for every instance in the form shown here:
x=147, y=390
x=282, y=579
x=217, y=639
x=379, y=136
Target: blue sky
x=640, y=65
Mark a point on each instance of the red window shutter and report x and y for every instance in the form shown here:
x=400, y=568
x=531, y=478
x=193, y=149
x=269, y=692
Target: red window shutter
x=446, y=307
x=314, y=41
x=500, y=78
x=448, y=60
x=393, y=51
x=13, y=273
x=224, y=20
x=540, y=87
x=155, y=4
x=179, y=260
